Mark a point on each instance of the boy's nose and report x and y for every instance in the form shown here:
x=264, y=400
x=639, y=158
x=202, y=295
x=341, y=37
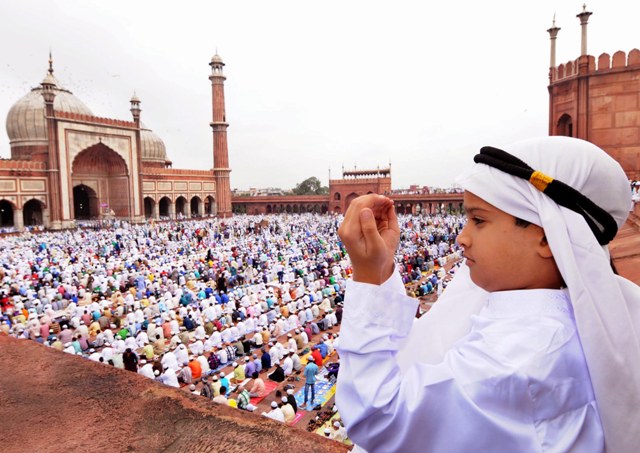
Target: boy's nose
x=464, y=239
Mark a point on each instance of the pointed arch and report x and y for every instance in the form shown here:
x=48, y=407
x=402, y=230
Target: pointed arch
x=32, y=212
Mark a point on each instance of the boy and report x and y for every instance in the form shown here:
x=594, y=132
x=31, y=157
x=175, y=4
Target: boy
x=533, y=346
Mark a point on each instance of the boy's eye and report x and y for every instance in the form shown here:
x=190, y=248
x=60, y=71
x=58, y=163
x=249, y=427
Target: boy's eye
x=476, y=220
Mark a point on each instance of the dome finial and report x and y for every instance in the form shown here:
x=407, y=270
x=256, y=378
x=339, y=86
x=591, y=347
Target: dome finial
x=50, y=63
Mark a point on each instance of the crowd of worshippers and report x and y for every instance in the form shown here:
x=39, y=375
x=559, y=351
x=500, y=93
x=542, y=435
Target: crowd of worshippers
x=179, y=301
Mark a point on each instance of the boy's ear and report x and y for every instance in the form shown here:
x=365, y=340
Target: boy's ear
x=544, y=250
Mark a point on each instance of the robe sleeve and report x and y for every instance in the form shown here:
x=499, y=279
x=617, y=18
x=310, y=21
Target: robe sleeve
x=469, y=402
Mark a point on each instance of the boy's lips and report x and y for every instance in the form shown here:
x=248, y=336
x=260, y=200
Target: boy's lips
x=469, y=260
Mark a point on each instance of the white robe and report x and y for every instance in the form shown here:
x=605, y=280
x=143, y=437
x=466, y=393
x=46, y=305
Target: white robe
x=518, y=381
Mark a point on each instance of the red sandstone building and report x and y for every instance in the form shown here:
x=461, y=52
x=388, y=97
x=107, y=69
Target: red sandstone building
x=69, y=165
x=598, y=100
x=344, y=190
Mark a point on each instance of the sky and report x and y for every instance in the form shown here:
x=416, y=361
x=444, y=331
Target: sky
x=312, y=87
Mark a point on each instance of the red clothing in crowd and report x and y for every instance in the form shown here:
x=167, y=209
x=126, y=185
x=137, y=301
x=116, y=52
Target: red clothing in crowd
x=317, y=357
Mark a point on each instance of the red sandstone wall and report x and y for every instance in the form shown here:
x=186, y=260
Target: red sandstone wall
x=30, y=152
x=613, y=105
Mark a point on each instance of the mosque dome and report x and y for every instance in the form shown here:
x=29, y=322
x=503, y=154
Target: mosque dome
x=216, y=59
x=26, y=123
x=153, y=149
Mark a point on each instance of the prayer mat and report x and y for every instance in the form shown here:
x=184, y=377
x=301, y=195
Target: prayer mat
x=304, y=361
x=329, y=424
x=324, y=390
x=269, y=386
x=299, y=415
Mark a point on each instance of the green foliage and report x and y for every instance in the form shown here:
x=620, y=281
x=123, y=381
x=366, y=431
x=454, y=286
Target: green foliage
x=310, y=186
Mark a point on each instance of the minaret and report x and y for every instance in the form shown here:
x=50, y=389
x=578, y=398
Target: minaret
x=584, y=19
x=219, y=125
x=581, y=129
x=135, y=112
x=553, y=34
x=49, y=86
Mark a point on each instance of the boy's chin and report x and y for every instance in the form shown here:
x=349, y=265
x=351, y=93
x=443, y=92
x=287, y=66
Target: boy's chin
x=479, y=282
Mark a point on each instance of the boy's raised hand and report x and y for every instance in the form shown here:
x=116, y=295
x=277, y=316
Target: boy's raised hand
x=371, y=235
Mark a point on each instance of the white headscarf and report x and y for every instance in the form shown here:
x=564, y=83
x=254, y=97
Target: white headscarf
x=606, y=306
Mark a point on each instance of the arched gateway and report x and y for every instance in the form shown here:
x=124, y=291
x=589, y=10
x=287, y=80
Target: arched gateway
x=100, y=184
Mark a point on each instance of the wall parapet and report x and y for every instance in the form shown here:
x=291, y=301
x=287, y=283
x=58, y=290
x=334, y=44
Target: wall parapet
x=359, y=181
x=150, y=171
x=81, y=117
x=12, y=164
x=428, y=197
x=280, y=199
x=620, y=61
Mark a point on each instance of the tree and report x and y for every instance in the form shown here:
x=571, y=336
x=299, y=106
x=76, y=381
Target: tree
x=310, y=186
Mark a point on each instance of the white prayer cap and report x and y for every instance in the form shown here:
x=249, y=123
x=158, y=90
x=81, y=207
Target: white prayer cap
x=274, y=404
x=327, y=431
x=607, y=331
x=336, y=424
x=290, y=392
x=284, y=399
x=221, y=375
x=235, y=364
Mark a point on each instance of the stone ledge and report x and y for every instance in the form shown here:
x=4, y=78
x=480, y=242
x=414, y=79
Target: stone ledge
x=52, y=401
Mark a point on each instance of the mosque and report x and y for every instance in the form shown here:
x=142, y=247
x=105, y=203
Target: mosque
x=68, y=165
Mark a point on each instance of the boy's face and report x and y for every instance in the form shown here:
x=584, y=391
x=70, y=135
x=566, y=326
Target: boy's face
x=500, y=254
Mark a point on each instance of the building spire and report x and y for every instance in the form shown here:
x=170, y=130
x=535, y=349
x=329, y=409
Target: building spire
x=584, y=19
x=50, y=63
x=553, y=34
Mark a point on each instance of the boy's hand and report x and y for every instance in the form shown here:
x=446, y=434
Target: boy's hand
x=371, y=235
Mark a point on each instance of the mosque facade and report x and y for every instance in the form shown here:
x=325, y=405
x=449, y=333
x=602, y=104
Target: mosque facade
x=598, y=100
x=68, y=165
